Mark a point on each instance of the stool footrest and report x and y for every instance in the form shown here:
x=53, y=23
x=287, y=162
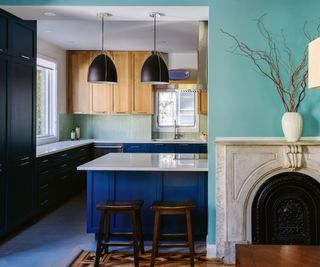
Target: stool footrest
x=173, y=235
x=118, y=244
x=172, y=245
x=124, y=234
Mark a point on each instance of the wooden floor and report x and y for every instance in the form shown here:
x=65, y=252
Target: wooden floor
x=126, y=259
x=277, y=256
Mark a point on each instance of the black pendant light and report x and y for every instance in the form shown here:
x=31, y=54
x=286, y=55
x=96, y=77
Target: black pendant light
x=102, y=68
x=154, y=69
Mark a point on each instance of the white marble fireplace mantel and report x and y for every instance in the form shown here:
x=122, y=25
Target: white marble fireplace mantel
x=242, y=166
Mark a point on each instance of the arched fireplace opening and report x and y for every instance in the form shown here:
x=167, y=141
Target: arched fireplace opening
x=286, y=210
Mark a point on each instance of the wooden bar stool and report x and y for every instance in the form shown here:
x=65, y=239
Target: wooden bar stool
x=172, y=208
x=111, y=207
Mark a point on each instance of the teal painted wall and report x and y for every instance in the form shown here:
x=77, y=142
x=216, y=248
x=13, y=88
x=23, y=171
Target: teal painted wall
x=241, y=103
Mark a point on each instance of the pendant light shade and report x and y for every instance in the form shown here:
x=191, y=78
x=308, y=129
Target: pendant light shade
x=102, y=68
x=154, y=69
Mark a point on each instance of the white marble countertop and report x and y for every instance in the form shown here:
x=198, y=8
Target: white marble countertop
x=44, y=150
x=148, y=162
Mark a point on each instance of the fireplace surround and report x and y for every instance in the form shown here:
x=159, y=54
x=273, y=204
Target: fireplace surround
x=246, y=169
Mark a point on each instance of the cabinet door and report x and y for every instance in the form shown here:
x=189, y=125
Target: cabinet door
x=23, y=38
x=20, y=193
x=20, y=109
x=102, y=95
x=4, y=33
x=2, y=198
x=79, y=96
x=122, y=94
x=187, y=148
x=203, y=102
x=3, y=105
x=142, y=92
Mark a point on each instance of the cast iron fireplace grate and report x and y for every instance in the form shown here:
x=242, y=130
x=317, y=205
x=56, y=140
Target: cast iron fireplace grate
x=286, y=210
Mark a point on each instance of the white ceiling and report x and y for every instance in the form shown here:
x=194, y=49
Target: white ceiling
x=129, y=28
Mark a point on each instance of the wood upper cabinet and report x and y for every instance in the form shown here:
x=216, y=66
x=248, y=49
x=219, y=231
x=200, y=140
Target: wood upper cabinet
x=142, y=99
x=122, y=92
x=79, y=93
x=102, y=94
x=203, y=102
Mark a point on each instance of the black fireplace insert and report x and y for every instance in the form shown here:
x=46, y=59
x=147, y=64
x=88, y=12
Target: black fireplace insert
x=286, y=210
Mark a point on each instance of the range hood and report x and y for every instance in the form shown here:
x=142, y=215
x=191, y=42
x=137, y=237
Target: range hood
x=202, y=81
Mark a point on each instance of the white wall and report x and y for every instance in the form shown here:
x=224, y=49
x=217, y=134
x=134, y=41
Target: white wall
x=188, y=61
x=58, y=54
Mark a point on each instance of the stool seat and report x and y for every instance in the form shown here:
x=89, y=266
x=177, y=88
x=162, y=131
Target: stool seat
x=129, y=207
x=120, y=205
x=173, y=205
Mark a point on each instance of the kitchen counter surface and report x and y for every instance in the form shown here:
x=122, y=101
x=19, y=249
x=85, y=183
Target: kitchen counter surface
x=148, y=162
x=44, y=150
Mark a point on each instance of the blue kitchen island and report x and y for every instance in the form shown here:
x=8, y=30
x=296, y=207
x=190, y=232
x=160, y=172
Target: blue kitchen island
x=149, y=177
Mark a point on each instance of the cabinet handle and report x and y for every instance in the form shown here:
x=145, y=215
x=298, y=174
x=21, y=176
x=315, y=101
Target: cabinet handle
x=25, y=57
x=83, y=149
x=23, y=159
x=64, y=177
x=77, y=112
x=1, y=50
x=63, y=155
x=44, y=202
x=25, y=163
x=44, y=161
x=44, y=172
x=44, y=186
x=134, y=147
x=63, y=165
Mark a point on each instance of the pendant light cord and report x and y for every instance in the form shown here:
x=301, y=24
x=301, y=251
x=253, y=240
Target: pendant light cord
x=154, y=33
x=102, y=32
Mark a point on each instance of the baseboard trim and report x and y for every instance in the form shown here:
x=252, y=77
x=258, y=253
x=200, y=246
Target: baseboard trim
x=211, y=251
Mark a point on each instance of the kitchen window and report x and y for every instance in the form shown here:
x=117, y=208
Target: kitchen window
x=46, y=101
x=176, y=106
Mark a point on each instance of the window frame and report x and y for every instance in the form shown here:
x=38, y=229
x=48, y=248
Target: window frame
x=170, y=129
x=53, y=104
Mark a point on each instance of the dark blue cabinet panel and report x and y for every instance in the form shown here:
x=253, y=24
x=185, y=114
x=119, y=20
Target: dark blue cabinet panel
x=23, y=39
x=3, y=105
x=162, y=148
x=136, y=148
x=2, y=198
x=204, y=148
x=20, y=111
x=4, y=38
x=147, y=186
x=19, y=193
x=132, y=185
x=187, y=148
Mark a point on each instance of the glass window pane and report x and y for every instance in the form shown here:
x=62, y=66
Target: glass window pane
x=186, y=109
x=166, y=107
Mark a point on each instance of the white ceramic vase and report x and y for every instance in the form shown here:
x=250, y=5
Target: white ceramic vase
x=292, y=124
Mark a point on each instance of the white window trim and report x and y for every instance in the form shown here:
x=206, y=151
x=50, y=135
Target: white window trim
x=170, y=129
x=54, y=106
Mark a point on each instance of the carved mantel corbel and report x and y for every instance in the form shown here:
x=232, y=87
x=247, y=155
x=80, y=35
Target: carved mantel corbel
x=293, y=156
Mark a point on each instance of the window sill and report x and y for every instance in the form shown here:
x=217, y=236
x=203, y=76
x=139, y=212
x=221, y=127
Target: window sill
x=47, y=140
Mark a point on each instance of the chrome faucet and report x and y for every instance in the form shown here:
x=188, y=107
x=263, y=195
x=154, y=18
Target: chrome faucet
x=176, y=134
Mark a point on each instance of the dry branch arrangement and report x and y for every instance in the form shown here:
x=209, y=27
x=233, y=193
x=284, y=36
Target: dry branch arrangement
x=276, y=62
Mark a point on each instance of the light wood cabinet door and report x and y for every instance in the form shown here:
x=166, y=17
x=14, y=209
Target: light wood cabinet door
x=142, y=98
x=102, y=94
x=122, y=92
x=79, y=90
x=203, y=102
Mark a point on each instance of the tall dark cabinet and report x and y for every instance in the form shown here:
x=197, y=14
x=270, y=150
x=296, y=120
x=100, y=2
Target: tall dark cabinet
x=17, y=120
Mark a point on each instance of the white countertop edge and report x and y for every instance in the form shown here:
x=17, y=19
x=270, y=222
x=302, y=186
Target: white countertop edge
x=57, y=147
x=265, y=141
x=141, y=169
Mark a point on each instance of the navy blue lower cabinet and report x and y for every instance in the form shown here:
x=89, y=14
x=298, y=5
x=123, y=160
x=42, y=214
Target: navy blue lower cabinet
x=162, y=148
x=148, y=186
x=187, y=148
x=136, y=148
